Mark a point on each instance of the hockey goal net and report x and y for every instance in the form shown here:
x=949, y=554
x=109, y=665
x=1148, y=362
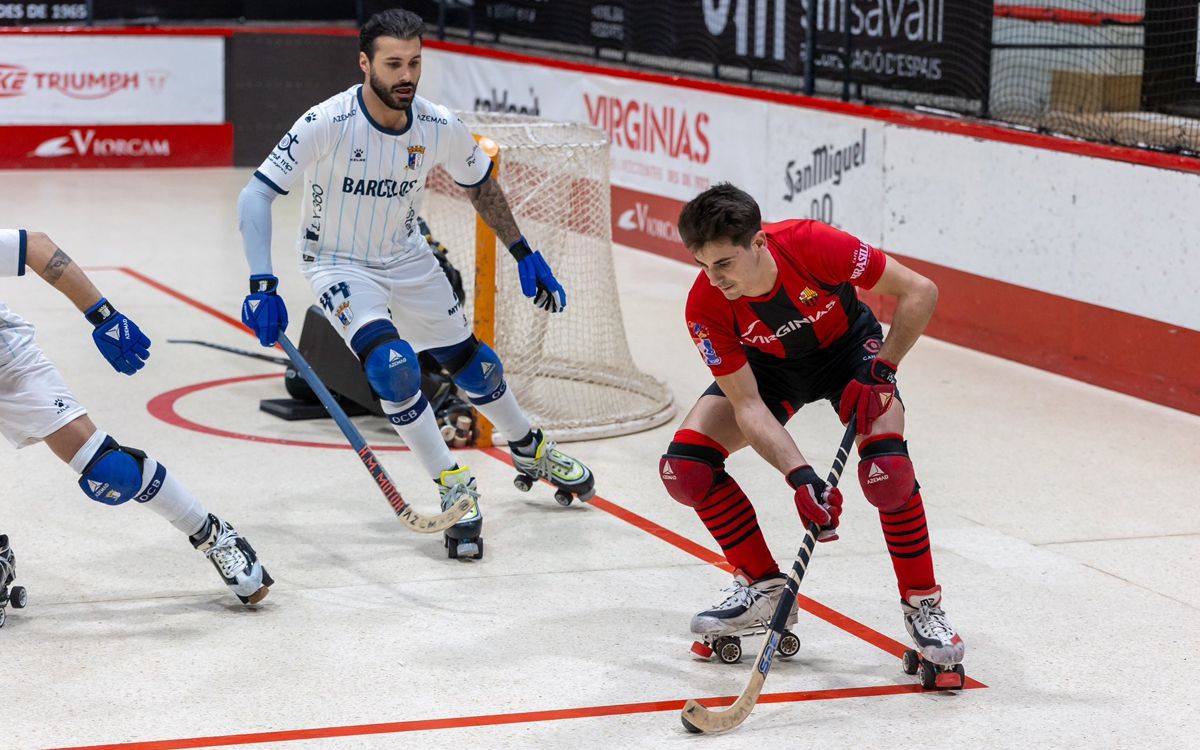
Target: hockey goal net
x=572, y=372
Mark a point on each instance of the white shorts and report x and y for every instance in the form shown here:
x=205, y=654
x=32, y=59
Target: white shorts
x=34, y=399
x=415, y=295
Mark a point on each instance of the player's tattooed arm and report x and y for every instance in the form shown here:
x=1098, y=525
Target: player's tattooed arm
x=48, y=260
x=57, y=265
x=491, y=204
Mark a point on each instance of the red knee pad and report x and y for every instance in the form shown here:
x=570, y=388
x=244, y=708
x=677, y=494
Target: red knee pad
x=886, y=472
x=689, y=467
x=687, y=479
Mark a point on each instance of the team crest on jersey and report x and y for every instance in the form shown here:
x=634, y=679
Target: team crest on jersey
x=807, y=297
x=415, y=155
x=344, y=313
x=703, y=344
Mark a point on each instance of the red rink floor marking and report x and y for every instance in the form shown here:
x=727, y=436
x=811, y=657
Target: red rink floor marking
x=488, y=720
x=162, y=407
x=164, y=403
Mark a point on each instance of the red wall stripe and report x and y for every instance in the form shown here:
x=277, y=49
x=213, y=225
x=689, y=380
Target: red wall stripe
x=1138, y=356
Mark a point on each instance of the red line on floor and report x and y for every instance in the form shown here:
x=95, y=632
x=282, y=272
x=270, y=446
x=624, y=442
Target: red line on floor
x=162, y=406
x=524, y=717
x=189, y=301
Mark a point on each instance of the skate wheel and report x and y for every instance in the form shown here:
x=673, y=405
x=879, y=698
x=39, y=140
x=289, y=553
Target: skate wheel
x=563, y=498
x=523, y=482
x=3, y=617
x=728, y=649
x=911, y=662
x=18, y=597
x=479, y=549
x=928, y=674
x=468, y=548
x=451, y=548
x=701, y=649
x=789, y=644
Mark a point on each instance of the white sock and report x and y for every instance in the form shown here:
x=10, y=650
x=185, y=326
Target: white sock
x=172, y=501
x=421, y=435
x=84, y=455
x=506, y=414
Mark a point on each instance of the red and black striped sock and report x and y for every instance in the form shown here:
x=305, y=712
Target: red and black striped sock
x=726, y=511
x=907, y=539
x=730, y=518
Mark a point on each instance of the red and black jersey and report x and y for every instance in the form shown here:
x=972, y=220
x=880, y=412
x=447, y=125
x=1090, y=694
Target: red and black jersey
x=812, y=306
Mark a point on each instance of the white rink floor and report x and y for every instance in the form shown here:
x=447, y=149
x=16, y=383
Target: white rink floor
x=1064, y=520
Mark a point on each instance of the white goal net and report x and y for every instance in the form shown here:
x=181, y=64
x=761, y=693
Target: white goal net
x=572, y=372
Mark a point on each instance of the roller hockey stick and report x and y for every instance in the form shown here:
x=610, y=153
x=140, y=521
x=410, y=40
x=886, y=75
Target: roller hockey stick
x=404, y=511
x=695, y=717
x=232, y=350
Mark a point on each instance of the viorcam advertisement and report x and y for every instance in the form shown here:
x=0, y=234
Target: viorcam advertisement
x=119, y=79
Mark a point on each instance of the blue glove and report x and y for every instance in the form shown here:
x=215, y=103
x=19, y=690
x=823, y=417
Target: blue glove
x=537, y=280
x=263, y=311
x=117, y=337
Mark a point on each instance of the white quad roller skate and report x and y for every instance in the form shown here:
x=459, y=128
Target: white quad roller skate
x=234, y=559
x=546, y=462
x=464, y=539
x=15, y=597
x=747, y=610
x=939, y=653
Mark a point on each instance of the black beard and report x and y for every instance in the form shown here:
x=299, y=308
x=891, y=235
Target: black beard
x=389, y=99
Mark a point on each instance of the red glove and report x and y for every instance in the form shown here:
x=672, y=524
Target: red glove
x=870, y=394
x=816, y=501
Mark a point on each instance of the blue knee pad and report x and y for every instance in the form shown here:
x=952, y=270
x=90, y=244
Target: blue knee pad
x=479, y=372
x=114, y=475
x=389, y=361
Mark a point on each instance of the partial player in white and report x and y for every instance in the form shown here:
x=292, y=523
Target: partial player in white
x=36, y=406
x=364, y=156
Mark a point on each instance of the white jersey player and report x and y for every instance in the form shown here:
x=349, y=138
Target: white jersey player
x=361, y=159
x=36, y=406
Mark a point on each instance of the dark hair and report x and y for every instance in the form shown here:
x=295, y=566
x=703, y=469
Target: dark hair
x=723, y=212
x=398, y=23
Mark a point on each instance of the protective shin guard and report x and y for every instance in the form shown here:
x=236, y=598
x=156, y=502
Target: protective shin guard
x=907, y=539
x=726, y=511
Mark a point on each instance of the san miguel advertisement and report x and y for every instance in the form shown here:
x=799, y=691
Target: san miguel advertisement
x=933, y=46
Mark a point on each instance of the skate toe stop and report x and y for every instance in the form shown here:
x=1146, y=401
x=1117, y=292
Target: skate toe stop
x=258, y=596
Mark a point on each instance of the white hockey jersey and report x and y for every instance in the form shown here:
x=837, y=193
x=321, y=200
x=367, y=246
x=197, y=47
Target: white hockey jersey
x=363, y=183
x=15, y=332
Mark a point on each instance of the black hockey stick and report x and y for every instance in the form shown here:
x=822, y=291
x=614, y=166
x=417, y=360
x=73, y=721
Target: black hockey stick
x=233, y=350
x=695, y=717
x=404, y=511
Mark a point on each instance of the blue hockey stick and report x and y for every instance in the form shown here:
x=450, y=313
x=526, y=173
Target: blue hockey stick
x=404, y=511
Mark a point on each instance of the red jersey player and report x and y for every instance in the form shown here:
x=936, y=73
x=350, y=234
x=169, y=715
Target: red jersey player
x=775, y=316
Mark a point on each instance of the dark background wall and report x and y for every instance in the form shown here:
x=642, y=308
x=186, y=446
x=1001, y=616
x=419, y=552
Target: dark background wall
x=272, y=79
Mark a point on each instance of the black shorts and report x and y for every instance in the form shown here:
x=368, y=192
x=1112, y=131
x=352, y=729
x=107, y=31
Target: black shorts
x=786, y=385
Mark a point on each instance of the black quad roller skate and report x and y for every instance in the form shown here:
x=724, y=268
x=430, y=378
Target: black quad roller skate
x=746, y=611
x=570, y=478
x=15, y=597
x=939, y=653
x=464, y=539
